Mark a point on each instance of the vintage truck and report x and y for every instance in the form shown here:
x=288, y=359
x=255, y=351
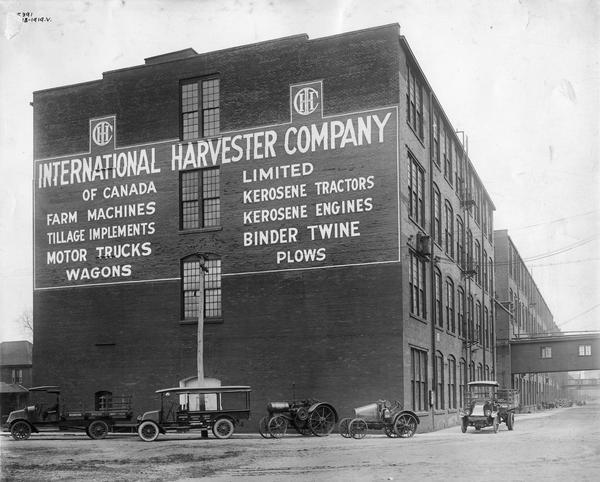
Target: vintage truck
x=486, y=405
x=46, y=412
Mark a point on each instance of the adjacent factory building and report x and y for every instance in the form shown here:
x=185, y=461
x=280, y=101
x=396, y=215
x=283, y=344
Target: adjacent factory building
x=522, y=313
x=347, y=237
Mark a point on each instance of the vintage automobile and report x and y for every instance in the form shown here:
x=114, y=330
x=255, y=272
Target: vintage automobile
x=486, y=405
x=47, y=412
x=380, y=415
x=307, y=417
x=218, y=409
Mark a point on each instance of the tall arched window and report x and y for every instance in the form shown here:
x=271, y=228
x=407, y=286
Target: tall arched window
x=462, y=381
x=460, y=312
x=460, y=242
x=439, y=373
x=450, y=319
x=437, y=216
x=472, y=371
x=451, y=382
x=192, y=276
x=438, y=315
x=449, y=229
x=479, y=371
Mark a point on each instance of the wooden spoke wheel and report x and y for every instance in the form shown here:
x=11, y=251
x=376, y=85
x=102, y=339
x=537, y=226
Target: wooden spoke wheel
x=20, y=430
x=405, y=425
x=97, y=429
x=358, y=428
x=223, y=428
x=148, y=431
x=277, y=426
x=322, y=420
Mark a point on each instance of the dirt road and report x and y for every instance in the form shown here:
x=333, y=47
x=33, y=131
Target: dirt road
x=561, y=444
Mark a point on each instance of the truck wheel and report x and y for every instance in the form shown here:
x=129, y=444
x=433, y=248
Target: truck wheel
x=97, y=429
x=223, y=428
x=464, y=424
x=148, y=431
x=20, y=430
x=510, y=421
x=262, y=428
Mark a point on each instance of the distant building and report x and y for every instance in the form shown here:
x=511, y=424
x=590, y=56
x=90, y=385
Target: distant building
x=15, y=374
x=522, y=313
x=347, y=236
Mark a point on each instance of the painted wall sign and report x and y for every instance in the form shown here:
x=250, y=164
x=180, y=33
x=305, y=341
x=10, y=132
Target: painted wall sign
x=315, y=192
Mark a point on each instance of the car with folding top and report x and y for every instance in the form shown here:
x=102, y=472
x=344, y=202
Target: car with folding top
x=47, y=412
x=182, y=409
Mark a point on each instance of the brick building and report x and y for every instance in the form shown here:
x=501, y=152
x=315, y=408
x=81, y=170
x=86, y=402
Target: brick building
x=523, y=313
x=15, y=375
x=347, y=236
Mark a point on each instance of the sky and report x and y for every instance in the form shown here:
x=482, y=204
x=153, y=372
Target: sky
x=521, y=78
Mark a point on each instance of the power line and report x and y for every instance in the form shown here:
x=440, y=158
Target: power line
x=554, y=221
x=580, y=314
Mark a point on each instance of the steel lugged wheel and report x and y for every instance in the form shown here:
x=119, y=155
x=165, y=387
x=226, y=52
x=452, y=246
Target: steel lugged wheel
x=389, y=431
x=223, y=428
x=343, y=427
x=358, y=428
x=20, y=430
x=97, y=429
x=148, y=431
x=263, y=430
x=277, y=426
x=322, y=420
x=405, y=425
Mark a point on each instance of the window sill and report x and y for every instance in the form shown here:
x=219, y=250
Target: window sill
x=200, y=230
x=207, y=321
x=422, y=141
x=418, y=318
x=440, y=412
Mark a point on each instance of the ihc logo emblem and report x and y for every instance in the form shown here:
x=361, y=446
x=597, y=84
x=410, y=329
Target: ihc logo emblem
x=102, y=133
x=306, y=101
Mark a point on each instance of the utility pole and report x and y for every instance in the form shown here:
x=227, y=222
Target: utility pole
x=200, y=335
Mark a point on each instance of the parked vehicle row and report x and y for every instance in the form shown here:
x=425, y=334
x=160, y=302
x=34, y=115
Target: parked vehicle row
x=222, y=409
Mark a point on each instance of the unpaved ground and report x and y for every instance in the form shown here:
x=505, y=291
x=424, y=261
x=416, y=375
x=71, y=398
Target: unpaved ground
x=561, y=444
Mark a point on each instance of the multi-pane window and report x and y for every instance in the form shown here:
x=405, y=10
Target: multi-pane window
x=462, y=381
x=585, y=350
x=437, y=216
x=546, y=352
x=418, y=379
x=438, y=315
x=477, y=261
x=436, y=138
x=449, y=229
x=417, y=286
x=470, y=308
x=17, y=375
x=472, y=371
x=414, y=102
x=451, y=382
x=460, y=242
x=200, y=108
x=416, y=190
x=200, y=198
x=484, y=269
x=460, y=312
x=448, y=158
x=450, y=320
x=193, y=276
x=486, y=328
x=469, y=250
x=478, y=330
x=439, y=378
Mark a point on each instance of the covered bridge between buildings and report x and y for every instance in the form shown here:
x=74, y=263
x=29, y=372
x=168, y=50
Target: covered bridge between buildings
x=555, y=352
